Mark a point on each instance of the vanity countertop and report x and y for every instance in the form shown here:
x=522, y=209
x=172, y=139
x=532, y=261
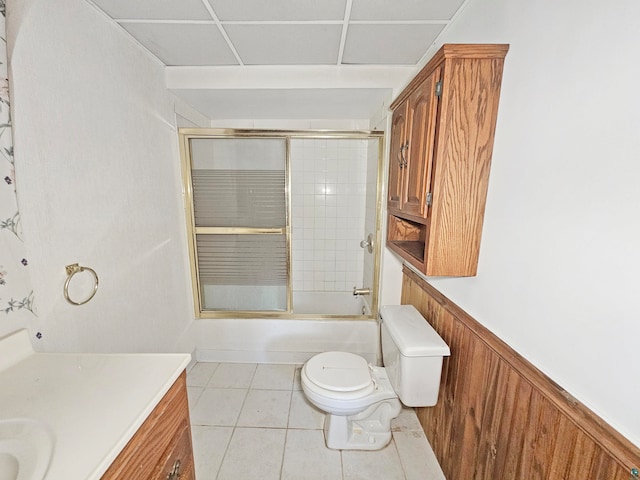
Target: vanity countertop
x=94, y=403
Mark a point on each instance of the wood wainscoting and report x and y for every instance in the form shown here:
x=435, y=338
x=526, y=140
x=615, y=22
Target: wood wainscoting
x=500, y=418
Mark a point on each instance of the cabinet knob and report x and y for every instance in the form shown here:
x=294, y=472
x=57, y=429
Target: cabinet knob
x=174, y=474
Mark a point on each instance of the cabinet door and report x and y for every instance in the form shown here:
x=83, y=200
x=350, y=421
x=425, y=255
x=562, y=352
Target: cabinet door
x=421, y=120
x=178, y=457
x=397, y=157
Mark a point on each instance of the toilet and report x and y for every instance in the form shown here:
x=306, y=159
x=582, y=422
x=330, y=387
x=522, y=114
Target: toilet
x=361, y=399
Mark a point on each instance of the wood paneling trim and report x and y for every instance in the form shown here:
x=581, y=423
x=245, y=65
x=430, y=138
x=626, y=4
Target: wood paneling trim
x=499, y=417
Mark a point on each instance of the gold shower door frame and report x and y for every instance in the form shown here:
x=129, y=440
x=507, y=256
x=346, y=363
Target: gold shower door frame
x=187, y=134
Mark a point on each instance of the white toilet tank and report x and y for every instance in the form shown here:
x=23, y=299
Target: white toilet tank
x=412, y=354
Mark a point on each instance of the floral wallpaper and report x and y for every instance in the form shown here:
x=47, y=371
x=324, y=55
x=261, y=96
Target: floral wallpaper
x=16, y=293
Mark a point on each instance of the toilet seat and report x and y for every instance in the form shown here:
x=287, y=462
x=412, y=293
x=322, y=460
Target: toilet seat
x=342, y=383
x=340, y=374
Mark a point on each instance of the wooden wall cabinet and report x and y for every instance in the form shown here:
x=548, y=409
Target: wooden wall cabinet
x=441, y=144
x=162, y=443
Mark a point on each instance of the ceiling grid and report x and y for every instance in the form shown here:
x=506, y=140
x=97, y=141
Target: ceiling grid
x=345, y=27
x=222, y=31
x=346, y=42
x=286, y=32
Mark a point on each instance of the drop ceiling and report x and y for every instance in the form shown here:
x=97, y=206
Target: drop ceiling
x=247, y=35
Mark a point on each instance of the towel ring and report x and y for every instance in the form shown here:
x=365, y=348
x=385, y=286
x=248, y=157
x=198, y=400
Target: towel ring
x=71, y=271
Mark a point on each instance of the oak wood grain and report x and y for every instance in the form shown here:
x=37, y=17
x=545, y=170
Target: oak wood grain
x=396, y=166
x=464, y=146
x=447, y=142
x=421, y=128
x=450, y=50
x=164, y=434
x=499, y=417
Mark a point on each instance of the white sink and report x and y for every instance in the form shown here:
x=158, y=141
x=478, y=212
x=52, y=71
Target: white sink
x=26, y=446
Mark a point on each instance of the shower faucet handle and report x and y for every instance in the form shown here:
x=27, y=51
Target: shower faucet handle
x=368, y=243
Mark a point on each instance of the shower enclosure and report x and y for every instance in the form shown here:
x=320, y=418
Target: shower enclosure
x=283, y=223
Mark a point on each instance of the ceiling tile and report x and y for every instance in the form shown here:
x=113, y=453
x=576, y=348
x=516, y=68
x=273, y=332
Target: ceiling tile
x=154, y=9
x=288, y=104
x=404, y=9
x=388, y=44
x=183, y=44
x=261, y=10
x=286, y=44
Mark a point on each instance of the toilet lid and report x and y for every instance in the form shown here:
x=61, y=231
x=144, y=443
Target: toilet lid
x=339, y=371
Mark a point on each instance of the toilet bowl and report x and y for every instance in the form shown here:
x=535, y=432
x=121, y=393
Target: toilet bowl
x=361, y=399
x=358, y=398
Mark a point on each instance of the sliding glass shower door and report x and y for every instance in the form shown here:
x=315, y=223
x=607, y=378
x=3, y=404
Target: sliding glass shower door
x=240, y=221
x=283, y=223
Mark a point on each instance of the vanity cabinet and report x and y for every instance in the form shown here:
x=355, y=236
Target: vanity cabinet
x=162, y=445
x=442, y=133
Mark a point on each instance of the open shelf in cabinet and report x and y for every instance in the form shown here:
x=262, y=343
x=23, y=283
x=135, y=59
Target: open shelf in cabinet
x=407, y=238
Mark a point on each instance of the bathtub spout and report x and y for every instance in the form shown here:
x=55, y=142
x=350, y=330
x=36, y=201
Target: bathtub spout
x=361, y=291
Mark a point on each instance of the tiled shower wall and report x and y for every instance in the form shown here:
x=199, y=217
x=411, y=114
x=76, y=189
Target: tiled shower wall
x=328, y=193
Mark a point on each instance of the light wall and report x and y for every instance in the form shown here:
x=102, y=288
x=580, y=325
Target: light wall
x=99, y=184
x=559, y=262
x=98, y=180
x=390, y=287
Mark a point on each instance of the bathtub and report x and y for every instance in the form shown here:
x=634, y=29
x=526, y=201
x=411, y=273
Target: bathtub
x=329, y=303
x=269, y=340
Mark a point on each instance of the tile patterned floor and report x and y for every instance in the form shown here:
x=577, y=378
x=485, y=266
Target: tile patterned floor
x=252, y=421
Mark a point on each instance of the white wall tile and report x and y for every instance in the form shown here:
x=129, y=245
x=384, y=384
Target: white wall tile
x=332, y=174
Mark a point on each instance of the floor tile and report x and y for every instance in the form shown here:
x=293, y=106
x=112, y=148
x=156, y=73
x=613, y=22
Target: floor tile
x=218, y=407
x=273, y=377
x=200, y=374
x=407, y=421
x=303, y=414
x=417, y=457
x=265, y=408
x=366, y=465
x=193, y=394
x=254, y=422
x=306, y=457
x=209, y=447
x=253, y=453
x=233, y=375
x=297, y=384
